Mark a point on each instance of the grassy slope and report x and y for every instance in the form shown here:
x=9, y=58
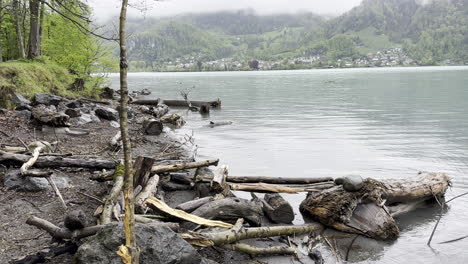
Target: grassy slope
x=28, y=78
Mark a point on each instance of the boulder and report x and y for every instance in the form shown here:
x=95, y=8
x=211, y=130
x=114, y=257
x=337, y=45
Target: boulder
x=19, y=100
x=76, y=219
x=48, y=99
x=157, y=244
x=107, y=113
x=351, y=183
x=15, y=181
x=107, y=93
x=145, y=92
x=23, y=107
x=74, y=104
x=130, y=112
x=73, y=112
x=24, y=113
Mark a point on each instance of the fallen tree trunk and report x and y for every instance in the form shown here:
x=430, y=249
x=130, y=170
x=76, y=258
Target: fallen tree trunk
x=365, y=211
x=149, y=190
x=183, y=166
x=147, y=102
x=239, y=233
x=252, y=250
x=106, y=215
x=152, y=127
x=268, y=188
x=230, y=209
x=161, y=206
x=192, y=205
x=278, y=209
x=54, y=162
x=276, y=180
x=183, y=103
x=62, y=233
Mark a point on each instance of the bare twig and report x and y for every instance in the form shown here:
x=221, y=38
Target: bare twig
x=453, y=240
x=349, y=247
x=92, y=197
x=57, y=191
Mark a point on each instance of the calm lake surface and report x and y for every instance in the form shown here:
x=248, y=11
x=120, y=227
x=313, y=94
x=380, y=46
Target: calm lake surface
x=380, y=123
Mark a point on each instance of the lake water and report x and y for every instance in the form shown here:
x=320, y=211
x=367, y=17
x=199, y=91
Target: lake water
x=380, y=123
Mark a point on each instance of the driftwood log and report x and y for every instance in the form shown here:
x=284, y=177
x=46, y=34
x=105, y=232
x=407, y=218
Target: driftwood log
x=238, y=233
x=163, y=207
x=152, y=127
x=276, y=180
x=54, y=162
x=183, y=166
x=147, y=102
x=367, y=211
x=183, y=103
x=278, y=209
x=230, y=209
x=194, y=204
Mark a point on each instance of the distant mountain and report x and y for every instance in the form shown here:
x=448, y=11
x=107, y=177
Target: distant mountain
x=429, y=31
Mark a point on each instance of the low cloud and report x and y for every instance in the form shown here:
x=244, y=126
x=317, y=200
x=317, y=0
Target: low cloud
x=103, y=9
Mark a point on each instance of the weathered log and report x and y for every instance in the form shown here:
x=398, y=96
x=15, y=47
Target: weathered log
x=106, y=215
x=236, y=234
x=142, y=170
x=150, y=189
x=230, y=209
x=219, y=123
x=252, y=250
x=182, y=166
x=278, y=209
x=181, y=177
x=95, y=101
x=161, y=206
x=183, y=103
x=145, y=220
x=54, y=162
x=46, y=116
x=62, y=233
x=268, y=188
x=192, y=205
x=175, y=119
x=152, y=127
x=147, y=102
x=75, y=132
x=365, y=211
x=38, y=147
x=277, y=180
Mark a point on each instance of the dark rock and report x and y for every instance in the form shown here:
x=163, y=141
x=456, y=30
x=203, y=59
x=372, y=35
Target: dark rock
x=24, y=113
x=352, y=183
x=172, y=186
x=62, y=107
x=74, y=220
x=23, y=107
x=107, y=93
x=48, y=99
x=18, y=100
x=316, y=256
x=72, y=112
x=15, y=181
x=3, y=111
x=158, y=245
x=145, y=92
x=74, y=104
x=107, y=113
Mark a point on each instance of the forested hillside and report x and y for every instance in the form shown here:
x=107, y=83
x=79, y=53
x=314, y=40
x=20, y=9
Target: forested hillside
x=376, y=33
x=45, y=40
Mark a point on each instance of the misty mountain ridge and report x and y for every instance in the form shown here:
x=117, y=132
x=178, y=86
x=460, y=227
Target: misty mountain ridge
x=425, y=32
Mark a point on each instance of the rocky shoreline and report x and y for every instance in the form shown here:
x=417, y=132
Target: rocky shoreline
x=69, y=188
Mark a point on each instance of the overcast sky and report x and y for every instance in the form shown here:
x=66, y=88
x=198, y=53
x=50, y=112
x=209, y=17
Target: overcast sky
x=105, y=8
